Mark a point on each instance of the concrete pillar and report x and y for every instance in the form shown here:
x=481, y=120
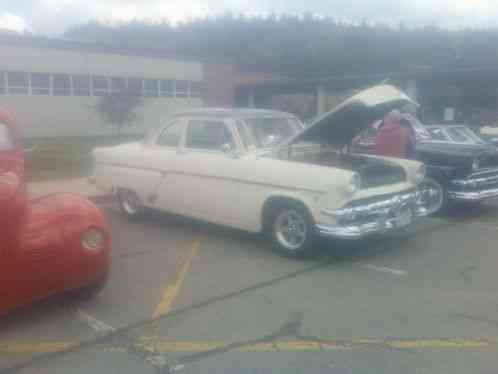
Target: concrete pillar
x=321, y=99
x=250, y=98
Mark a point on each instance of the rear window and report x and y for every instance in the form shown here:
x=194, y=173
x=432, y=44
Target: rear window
x=6, y=138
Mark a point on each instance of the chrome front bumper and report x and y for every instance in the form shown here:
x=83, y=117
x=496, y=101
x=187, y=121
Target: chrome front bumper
x=387, y=213
x=477, y=187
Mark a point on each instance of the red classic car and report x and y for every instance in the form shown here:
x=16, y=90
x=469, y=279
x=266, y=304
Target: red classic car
x=50, y=245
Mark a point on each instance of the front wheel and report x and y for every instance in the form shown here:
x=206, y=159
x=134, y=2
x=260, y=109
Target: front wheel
x=433, y=195
x=292, y=231
x=129, y=203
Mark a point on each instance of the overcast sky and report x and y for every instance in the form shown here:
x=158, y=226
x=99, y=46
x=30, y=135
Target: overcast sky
x=54, y=16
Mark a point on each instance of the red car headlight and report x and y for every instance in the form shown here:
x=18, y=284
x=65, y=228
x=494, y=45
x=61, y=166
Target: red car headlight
x=93, y=239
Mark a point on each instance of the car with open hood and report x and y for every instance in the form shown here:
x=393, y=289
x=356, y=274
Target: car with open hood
x=460, y=165
x=261, y=171
x=53, y=244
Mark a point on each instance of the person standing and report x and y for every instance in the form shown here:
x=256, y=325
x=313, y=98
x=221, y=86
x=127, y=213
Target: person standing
x=394, y=138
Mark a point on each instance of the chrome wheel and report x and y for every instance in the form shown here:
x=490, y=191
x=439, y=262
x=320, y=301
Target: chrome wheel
x=130, y=202
x=431, y=195
x=290, y=229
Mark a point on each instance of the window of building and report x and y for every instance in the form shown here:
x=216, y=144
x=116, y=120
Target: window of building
x=100, y=86
x=135, y=86
x=167, y=87
x=196, y=89
x=151, y=88
x=81, y=85
x=118, y=84
x=3, y=85
x=209, y=135
x=171, y=135
x=181, y=88
x=18, y=83
x=61, y=85
x=40, y=84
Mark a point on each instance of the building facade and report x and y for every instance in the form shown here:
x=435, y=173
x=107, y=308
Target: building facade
x=54, y=86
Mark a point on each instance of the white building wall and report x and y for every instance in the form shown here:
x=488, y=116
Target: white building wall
x=52, y=116
x=48, y=116
x=21, y=58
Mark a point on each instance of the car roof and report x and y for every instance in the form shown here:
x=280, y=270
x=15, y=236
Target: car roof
x=232, y=113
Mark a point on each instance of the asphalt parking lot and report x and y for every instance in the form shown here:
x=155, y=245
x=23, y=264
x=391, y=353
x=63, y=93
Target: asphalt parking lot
x=190, y=297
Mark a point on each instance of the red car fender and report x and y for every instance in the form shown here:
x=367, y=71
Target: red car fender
x=42, y=250
x=57, y=223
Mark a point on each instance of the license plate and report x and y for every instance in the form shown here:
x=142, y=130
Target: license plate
x=404, y=218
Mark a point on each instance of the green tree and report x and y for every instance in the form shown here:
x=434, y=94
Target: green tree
x=119, y=109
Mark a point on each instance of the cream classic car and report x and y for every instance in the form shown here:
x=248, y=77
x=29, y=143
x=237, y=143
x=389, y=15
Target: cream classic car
x=262, y=171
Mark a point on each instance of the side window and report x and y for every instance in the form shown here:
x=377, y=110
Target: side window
x=210, y=135
x=171, y=135
x=6, y=138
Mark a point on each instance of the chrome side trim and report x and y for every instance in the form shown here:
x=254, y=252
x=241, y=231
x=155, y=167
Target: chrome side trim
x=473, y=195
x=207, y=176
x=483, y=171
x=475, y=181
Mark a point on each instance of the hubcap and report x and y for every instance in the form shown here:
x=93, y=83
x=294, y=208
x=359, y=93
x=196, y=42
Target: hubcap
x=290, y=229
x=130, y=201
x=431, y=195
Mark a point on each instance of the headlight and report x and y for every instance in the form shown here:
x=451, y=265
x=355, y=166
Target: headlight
x=419, y=174
x=93, y=239
x=354, y=183
x=475, y=164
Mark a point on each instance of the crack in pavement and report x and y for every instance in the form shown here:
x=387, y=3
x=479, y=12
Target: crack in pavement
x=120, y=332
x=135, y=349
x=288, y=329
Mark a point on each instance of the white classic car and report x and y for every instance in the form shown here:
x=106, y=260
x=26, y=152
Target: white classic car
x=262, y=171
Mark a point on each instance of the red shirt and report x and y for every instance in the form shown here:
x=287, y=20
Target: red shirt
x=393, y=140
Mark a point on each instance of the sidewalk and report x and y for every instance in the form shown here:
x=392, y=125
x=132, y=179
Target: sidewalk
x=79, y=186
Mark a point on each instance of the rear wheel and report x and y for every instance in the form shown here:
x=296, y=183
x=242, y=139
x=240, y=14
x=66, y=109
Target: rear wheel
x=433, y=195
x=129, y=202
x=291, y=229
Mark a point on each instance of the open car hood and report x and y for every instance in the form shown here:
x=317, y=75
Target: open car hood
x=339, y=126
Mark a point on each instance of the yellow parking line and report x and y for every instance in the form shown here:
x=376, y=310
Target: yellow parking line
x=163, y=346
x=41, y=347
x=171, y=290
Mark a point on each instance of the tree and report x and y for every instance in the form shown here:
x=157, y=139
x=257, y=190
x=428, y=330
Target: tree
x=119, y=109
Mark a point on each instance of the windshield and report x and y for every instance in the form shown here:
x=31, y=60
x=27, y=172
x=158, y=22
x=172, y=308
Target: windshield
x=271, y=131
x=6, y=139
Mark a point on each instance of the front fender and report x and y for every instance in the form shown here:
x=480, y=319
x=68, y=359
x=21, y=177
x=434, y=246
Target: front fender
x=308, y=199
x=59, y=220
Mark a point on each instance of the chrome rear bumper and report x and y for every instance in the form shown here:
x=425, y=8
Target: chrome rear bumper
x=386, y=214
